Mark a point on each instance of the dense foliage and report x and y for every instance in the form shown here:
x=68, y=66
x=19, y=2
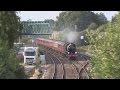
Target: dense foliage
x=9, y=65
x=105, y=47
x=9, y=30
x=80, y=18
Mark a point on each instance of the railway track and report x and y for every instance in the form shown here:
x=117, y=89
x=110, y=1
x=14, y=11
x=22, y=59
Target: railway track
x=62, y=68
x=53, y=67
x=48, y=68
x=83, y=74
x=79, y=67
x=70, y=69
x=58, y=68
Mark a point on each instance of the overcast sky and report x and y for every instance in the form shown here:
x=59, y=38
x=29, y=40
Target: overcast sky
x=42, y=15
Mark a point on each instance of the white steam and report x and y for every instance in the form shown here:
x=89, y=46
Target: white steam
x=69, y=35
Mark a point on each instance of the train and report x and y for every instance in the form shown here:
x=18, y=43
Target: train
x=66, y=49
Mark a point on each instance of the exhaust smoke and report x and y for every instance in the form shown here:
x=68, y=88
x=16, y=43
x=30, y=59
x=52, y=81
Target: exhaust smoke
x=69, y=35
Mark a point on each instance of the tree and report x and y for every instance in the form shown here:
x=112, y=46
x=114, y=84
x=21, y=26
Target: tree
x=113, y=19
x=49, y=21
x=104, y=46
x=92, y=26
x=9, y=30
x=68, y=19
x=9, y=66
x=101, y=19
x=9, y=26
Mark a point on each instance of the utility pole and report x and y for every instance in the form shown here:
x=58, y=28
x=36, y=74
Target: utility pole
x=32, y=41
x=75, y=28
x=19, y=39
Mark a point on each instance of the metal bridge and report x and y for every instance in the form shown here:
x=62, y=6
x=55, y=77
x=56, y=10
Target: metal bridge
x=36, y=29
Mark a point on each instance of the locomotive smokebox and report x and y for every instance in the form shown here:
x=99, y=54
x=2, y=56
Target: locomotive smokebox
x=71, y=48
x=71, y=51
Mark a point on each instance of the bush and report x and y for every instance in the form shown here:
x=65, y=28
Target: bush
x=105, y=46
x=20, y=73
x=9, y=65
x=92, y=26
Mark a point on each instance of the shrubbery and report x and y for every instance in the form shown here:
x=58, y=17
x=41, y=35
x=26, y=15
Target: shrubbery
x=9, y=65
x=9, y=31
x=105, y=46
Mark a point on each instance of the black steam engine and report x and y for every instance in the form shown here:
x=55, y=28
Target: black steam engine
x=71, y=51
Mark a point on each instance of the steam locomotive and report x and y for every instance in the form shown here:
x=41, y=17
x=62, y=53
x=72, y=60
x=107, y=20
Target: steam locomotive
x=71, y=51
x=62, y=48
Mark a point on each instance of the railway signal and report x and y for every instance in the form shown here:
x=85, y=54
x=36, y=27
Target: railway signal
x=82, y=40
x=81, y=37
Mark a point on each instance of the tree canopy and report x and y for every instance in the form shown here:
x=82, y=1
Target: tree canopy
x=9, y=26
x=105, y=48
x=9, y=31
x=80, y=18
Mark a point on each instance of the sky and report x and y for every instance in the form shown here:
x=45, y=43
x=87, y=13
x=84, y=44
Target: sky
x=42, y=15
